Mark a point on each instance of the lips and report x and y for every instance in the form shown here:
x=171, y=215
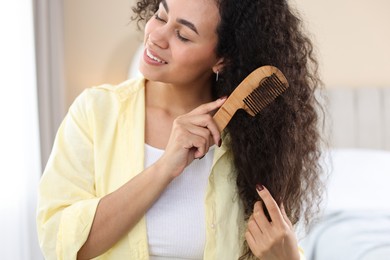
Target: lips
x=155, y=57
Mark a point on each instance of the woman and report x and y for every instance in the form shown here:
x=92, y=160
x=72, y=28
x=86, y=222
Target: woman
x=140, y=170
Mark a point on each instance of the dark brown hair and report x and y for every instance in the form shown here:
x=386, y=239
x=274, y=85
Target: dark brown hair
x=281, y=146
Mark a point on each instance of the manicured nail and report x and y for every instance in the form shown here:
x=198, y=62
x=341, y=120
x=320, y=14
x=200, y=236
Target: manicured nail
x=220, y=143
x=259, y=187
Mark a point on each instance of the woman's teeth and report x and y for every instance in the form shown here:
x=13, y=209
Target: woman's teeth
x=155, y=58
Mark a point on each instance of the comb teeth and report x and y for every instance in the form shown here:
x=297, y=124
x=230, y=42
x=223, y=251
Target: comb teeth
x=268, y=89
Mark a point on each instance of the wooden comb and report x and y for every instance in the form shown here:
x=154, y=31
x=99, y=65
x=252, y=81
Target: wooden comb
x=254, y=93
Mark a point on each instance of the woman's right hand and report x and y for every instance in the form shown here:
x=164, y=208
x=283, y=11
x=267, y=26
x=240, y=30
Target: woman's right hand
x=191, y=136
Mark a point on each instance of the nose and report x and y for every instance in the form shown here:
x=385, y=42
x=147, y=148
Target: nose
x=158, y=37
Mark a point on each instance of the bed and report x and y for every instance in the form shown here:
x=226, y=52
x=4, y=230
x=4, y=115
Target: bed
x=355, y=220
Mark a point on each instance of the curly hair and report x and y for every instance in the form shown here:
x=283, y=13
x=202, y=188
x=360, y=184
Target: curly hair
x=281, y=146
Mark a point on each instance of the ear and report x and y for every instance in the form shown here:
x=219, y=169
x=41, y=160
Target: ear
x=219, y=65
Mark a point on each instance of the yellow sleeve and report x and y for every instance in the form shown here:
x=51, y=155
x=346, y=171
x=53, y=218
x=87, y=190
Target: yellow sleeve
x=66, y=199
x=301, y=254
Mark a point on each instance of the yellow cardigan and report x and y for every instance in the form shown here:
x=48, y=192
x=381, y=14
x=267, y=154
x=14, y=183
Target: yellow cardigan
x=99, y=147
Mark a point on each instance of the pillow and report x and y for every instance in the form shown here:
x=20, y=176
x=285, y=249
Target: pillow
x=350, y=235
x=356, y=220
x=359, y=179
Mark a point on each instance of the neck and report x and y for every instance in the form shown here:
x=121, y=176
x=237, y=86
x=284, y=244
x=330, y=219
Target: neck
x=176, y=100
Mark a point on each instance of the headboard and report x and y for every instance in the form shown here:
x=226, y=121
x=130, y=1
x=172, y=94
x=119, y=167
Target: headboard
x=359, y=117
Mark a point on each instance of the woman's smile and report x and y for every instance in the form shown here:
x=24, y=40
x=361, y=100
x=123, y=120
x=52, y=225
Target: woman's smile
x=155, y=58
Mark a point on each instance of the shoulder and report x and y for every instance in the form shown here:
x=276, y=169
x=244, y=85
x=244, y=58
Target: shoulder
x=107, y=95
x=121, y=91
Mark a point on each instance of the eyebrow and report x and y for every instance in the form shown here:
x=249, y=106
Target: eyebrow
x=179, y=20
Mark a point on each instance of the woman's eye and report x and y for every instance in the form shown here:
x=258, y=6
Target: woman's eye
x=178, y=35
x=159, y=18
x=181, y=38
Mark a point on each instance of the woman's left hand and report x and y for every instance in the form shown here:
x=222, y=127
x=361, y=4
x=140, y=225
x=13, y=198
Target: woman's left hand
x=271, y=240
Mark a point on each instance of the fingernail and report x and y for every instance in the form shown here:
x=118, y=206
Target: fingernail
x=200, y=157
x=220, y=143
x=259, y=187
x=223, y=98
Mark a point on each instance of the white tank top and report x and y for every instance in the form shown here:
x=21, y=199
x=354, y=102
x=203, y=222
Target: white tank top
x=175, y=223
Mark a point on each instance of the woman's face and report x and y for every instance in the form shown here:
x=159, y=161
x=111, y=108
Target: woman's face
x=180, y=42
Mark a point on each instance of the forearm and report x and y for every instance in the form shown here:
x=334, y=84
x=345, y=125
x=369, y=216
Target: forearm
x=119, y=211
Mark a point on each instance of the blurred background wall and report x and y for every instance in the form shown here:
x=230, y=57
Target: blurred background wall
x=353, y=38
x=99, y=41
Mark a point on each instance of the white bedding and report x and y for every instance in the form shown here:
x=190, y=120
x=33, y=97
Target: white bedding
x=356, y=218
x=359, y=180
